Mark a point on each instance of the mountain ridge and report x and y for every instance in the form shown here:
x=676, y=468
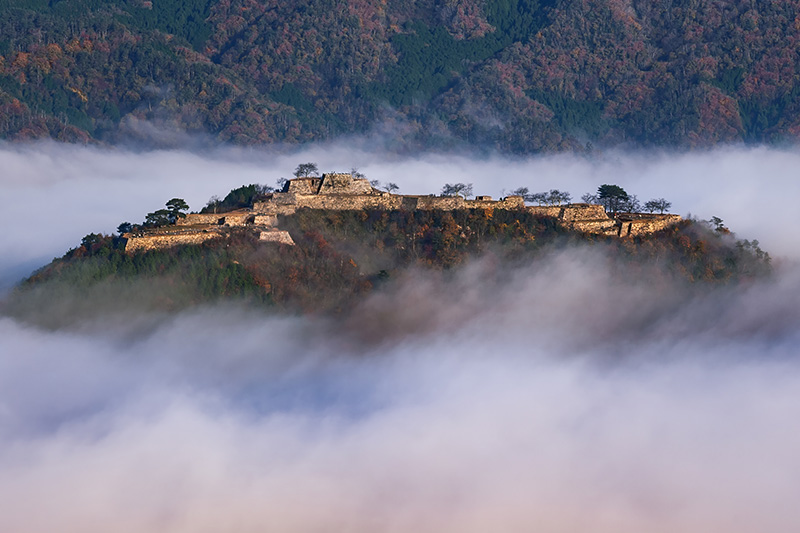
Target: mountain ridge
x=518, y=76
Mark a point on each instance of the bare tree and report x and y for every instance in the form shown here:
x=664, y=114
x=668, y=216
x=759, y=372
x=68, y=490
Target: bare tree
x=390, y=187
x=589, y=198
x=556, y=197
x=306, y=170
x=457, y=189
x=657, y=204
x=539, y=197
x=213, y=204
x=521, y=191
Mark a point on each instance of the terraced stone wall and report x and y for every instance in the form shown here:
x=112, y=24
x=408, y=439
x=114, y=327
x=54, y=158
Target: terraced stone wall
x=143, y=243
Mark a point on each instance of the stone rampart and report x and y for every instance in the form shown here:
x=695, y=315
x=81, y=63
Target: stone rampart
x=279, y=236
x=608, y=226
x=237, y=218
x=265, y=220
x=146, y=242
x=279, y=202
x=349, y=202
x=348, y=193
x=445, y=203
x=486, y=202
x=570, y=212
x=554, y=211
x=304, y=186
x=574, y=212
x=345, y=184
x=194, y=219
x=231, y=218
x=633, y=226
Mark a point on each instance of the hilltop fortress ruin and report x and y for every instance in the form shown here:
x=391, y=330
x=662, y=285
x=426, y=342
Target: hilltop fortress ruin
x=347, y=192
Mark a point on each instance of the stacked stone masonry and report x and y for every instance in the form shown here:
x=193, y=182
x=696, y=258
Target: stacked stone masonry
x=346, y=192
x=146, y=242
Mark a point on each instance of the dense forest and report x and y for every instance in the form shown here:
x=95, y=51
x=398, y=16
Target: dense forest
x=342, y=256
x=518, y=76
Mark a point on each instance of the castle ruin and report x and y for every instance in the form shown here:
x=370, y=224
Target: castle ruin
x=346, y=192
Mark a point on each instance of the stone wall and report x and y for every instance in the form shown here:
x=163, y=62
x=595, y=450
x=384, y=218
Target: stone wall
x=279, y=236
x=304, y=185
x=446, y=203
x=554, y=211
x=574, y=212
x=349, y=202
x=646, y=224
x=486, y=202
x=280, y=203
x=155, y=241
x=194, y=219
x=265, y=220
x=231, y=218
x=344, y=184
x=346, y=193
x=608, y=226
x=237, y=218
x=571, y=212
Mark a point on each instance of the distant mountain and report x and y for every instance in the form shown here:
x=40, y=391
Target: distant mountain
x=520, y=76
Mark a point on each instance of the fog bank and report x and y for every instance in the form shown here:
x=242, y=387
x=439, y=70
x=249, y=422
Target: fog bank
x=547, y=408
x=556, y=396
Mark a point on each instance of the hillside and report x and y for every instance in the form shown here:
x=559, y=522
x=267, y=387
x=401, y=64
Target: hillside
x=340, y=257
x=519, y=76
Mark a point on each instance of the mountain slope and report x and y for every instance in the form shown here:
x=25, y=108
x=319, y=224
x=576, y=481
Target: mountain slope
x=341, y=257
x=515, y=75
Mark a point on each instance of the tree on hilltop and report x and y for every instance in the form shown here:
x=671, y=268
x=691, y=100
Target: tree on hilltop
x=388, y=187
x=539, y=197
x=612, y=197
x=306, y=170
x=524, y=192
x=457, y=189
x=556, y=197
x=157, y=218
x=176, y=208
x=163, y=217
x=657, y=204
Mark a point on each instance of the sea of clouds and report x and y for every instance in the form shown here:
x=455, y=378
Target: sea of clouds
x=558, y=396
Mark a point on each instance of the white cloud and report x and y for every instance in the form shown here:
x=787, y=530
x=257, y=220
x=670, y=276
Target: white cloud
x=559, y=396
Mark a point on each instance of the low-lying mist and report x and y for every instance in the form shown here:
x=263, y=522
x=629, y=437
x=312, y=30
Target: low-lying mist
x=565, y=395
x=561, y=401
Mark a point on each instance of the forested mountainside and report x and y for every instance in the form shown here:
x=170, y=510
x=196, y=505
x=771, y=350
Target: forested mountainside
x=340, y=257
x=519, y=76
